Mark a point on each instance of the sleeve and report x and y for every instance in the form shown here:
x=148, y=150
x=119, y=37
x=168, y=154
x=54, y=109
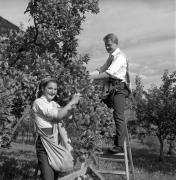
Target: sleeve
x=48, y=112
x=117, y=68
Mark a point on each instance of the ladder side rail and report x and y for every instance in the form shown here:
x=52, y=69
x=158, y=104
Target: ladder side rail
x=129, y=151
x=126, y=160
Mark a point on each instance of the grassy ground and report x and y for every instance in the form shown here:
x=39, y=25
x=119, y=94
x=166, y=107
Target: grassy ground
x=148, y=166
x=19, y=162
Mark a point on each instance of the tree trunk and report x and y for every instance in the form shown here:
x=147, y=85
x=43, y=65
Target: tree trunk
x=161, y=149
x=171, y=147
x=27, y=136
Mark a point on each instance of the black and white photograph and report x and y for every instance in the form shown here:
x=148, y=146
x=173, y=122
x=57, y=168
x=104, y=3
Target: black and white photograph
x=87, y=89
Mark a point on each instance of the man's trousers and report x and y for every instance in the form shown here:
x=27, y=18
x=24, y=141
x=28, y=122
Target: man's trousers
x=119, y=100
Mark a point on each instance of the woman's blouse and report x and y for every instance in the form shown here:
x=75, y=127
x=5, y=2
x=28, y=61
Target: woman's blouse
x=45, y=112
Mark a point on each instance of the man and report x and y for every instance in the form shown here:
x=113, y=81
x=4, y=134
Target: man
x=115, y=72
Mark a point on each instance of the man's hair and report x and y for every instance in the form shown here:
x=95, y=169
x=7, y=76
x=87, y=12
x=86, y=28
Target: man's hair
x=111, y=37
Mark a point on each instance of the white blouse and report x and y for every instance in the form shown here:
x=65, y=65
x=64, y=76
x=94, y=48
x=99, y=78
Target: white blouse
x=45, y=112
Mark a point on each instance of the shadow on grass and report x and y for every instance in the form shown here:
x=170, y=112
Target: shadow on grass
x=16, y=168
x=149, y=161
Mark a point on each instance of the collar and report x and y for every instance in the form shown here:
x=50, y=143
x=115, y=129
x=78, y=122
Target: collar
x=115, y=52
x=45, y=99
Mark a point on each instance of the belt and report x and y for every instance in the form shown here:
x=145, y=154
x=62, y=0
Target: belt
x=47, y=131
x=115, y=81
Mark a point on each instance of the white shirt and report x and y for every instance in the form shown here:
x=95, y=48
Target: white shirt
x=45, y=112
x=116, y=65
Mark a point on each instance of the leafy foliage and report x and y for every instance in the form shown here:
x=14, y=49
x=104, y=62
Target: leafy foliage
x=156, y=109
x=49, y=48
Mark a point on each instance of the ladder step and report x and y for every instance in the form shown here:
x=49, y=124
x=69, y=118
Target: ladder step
x=119, y=154
x=108, y=154
x=117, y=172
x=112, y=159
x=112, y=156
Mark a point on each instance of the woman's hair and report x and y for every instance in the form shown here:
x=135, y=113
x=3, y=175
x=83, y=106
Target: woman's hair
x=44, y=82
x=112, y=37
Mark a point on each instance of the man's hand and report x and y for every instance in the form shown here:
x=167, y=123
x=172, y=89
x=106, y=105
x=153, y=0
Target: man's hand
x=93, y=75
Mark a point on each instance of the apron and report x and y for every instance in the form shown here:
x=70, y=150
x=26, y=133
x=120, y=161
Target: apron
x=58, y=148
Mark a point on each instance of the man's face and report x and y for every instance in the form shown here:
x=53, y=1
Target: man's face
x=110, y=46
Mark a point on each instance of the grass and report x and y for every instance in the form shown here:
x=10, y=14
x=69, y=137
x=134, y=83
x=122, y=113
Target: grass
x=148, y=166
x=19, y=162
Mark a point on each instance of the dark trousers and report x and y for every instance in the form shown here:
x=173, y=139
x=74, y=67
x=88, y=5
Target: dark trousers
x=119, y=99
x=47, y=173
x=119, y=118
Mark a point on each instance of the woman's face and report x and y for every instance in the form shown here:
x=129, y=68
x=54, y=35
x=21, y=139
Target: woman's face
x=50, y=90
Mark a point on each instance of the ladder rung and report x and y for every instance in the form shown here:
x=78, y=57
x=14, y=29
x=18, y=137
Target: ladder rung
x=112, y=159
x=112, y=172
x=116, y=154
x=119, y=154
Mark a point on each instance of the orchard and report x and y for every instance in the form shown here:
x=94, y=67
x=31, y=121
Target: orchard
x=49, y=48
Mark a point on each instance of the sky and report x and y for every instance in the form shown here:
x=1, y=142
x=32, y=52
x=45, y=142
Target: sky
x=145, y=28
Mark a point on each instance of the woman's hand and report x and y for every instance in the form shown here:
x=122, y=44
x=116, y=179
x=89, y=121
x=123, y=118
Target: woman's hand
x=75, y=98
x=64, y=111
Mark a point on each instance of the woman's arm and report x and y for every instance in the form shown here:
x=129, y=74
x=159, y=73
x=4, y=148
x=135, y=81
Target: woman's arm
x=50, y=113
x=64, y=111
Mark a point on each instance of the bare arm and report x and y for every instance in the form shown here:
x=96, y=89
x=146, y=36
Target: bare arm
x=103, y=75
x=64, y=111
x=97, y=75
x=49, y=113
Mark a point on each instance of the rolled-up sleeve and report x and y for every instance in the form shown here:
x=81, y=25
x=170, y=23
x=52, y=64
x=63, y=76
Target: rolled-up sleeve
x=49, y=112
x=103, y=68
x=117, y=69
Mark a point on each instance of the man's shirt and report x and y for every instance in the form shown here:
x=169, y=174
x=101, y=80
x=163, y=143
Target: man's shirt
x=116, y=65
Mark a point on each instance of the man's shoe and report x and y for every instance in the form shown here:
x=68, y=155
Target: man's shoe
x=116, y=149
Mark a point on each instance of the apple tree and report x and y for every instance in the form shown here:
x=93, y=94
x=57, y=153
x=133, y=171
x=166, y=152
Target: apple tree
x=49, y=48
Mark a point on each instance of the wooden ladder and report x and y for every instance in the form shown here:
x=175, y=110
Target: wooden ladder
x=123, y=158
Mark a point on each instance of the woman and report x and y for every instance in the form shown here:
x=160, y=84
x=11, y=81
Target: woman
x=52, y=146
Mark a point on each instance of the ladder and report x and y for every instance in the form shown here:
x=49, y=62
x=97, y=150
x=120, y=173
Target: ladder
x=124, y=158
